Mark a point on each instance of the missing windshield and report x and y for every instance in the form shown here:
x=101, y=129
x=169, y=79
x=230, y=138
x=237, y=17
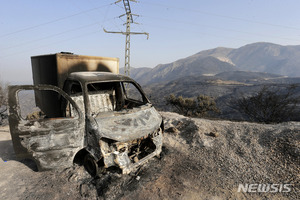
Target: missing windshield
x=114, y=96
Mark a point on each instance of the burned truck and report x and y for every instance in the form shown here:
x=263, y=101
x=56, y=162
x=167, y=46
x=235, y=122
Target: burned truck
x=80, y=109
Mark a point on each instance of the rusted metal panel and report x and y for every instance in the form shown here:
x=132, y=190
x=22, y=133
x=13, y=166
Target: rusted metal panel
x=54, y=69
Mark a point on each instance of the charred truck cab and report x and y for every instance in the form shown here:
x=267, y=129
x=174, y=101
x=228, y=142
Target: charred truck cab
x=100, y=119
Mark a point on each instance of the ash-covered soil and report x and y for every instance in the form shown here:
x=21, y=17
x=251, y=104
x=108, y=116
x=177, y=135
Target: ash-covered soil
x=201, y=159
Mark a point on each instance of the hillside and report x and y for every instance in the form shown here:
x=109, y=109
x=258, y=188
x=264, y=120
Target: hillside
x=217, y=85
x=201, y=159
x=260, y=57
x=256, y=57
x=222, y=73
x=223, y=87
x=267, y=57
x=185, y=67
x=137, y=73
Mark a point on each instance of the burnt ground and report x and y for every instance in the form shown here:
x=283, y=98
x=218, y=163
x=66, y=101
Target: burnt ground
x=201, y=159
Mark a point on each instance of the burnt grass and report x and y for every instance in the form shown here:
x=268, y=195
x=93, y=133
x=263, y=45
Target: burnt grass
x=201, y=159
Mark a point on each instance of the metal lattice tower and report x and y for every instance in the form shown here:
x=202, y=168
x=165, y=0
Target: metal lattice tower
x=129, y=20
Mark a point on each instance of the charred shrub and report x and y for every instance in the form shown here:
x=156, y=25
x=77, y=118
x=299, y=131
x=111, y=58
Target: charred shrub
x=270, y=104
x=201, y=106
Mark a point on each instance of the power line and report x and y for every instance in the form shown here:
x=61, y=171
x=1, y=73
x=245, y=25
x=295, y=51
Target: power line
x=169, y=20
x=53, y=35
x=164, y=27
x=203, y=33
x=218, y=28
x=53, y=21
x=93, y=5
x=47, y=37
x=223, y=16
x=50, y=44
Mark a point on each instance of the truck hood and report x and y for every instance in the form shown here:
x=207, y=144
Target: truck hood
x=130, y=126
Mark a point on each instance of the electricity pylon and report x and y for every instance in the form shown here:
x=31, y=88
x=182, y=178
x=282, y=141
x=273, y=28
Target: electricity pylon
x=129, y=20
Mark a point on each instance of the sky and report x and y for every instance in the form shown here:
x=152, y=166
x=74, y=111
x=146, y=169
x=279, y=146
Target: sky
x=177, y=29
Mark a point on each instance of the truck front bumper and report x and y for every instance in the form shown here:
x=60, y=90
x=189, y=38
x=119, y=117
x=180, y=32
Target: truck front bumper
x=128, y=156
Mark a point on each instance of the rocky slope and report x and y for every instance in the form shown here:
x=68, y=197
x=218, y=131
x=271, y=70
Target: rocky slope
x=256, y=57
x=268, y=57
x=185, y=67
x=201, y=159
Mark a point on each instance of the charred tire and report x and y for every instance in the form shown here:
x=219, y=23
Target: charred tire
x=91, y=165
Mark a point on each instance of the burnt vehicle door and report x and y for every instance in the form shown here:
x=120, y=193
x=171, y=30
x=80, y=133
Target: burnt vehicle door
x=48, y=134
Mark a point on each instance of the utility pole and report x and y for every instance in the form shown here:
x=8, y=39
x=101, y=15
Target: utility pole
x=129, y=20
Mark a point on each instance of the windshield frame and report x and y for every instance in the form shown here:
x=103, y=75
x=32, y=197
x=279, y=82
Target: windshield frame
x=121, y=82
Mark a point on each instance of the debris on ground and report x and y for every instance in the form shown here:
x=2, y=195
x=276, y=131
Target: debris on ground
x=201, y=159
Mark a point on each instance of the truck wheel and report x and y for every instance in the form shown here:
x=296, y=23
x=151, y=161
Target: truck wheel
x=90, y=165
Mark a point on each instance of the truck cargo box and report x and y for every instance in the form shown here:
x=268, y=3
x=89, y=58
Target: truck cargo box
x=54, y=69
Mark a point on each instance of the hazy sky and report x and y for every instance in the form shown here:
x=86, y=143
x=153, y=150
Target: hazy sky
x=177, y=29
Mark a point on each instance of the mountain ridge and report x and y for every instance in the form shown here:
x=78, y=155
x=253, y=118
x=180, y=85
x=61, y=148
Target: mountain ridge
x=256, y=57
